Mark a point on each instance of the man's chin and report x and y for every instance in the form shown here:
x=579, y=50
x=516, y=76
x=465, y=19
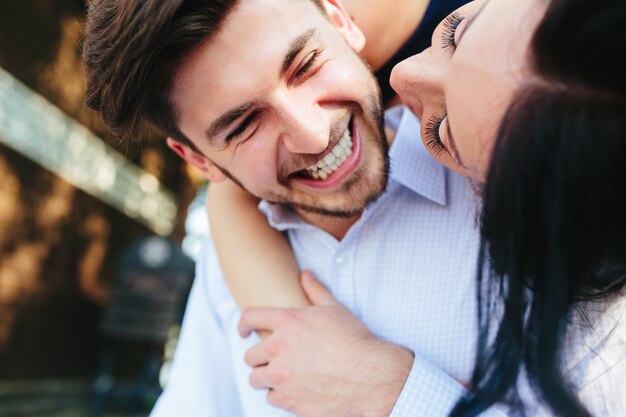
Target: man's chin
x=323, y=212
x=345, y=210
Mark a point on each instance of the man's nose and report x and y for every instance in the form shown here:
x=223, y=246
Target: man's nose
x=419, y=81
x=306, y=127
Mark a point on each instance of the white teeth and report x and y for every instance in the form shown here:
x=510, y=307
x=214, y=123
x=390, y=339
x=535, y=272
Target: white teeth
x=333, y=159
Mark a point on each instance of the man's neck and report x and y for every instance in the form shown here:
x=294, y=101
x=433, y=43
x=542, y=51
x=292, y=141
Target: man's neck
x=335, y=226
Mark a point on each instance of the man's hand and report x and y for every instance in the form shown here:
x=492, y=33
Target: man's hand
x=322, y=361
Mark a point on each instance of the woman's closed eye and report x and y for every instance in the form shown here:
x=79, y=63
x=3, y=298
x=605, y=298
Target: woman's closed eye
x=432, y=139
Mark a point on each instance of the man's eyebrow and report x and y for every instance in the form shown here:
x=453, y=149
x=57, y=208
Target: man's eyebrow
x=226, y=120
x=296, y=46
x=470, y=20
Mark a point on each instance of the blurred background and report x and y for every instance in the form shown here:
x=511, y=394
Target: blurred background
x=92, y=276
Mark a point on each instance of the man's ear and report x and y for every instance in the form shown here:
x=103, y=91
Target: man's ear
x=208, y=168
x=340, y=17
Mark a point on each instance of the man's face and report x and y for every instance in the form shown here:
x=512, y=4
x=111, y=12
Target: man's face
x=280, y=101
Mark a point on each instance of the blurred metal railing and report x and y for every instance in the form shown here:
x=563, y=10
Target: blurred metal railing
x=34, y=127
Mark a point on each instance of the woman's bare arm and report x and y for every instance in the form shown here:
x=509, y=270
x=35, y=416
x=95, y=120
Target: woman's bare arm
x=256, y=260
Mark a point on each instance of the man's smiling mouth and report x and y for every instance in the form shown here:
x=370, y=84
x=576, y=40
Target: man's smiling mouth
x=333, y=159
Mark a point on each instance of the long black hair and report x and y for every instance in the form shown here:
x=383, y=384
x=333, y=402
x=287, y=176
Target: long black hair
x=553, y=221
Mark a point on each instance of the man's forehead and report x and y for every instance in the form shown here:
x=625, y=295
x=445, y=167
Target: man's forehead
x=245, y=54
x=247, y=14
x=263, y=28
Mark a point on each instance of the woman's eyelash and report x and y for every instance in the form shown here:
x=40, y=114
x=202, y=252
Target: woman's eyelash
x=431, y=134
x=449, y=29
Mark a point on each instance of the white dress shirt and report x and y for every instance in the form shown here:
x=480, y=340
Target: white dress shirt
x=595, y=355
x=406, y=269
x=594, y=359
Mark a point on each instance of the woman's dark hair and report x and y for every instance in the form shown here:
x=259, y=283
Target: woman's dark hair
x=553, y=221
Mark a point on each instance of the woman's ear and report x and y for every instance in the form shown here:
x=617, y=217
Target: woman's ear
x=340, y=17
x=211, y=171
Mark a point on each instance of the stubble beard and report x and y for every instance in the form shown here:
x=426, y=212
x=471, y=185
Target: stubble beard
x=365, y=186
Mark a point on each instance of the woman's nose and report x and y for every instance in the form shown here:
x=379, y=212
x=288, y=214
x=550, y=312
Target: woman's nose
x=418, y=80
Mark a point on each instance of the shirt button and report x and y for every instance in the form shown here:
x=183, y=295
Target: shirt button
x=339, y=259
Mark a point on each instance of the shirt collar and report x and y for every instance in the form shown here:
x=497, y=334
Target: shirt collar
x=282, y=218
x=411, y=166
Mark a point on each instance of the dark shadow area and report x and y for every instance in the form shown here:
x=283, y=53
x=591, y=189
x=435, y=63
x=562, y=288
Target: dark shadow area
x=59, y=246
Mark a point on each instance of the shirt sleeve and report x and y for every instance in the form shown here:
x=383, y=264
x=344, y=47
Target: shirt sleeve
x=201, y=382
x=431, y=392
x=596, y=368
x=605, y=396
x=600, y=377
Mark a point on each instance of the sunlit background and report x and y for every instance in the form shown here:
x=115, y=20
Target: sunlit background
x=92, y=280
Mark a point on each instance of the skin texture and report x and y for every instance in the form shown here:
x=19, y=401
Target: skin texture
x=470, y=85
x=476, y=81
x=298, y=122
x=335, y=387
x=294, y=118
x=238, y=229
x=255, y=277
x=387, y=25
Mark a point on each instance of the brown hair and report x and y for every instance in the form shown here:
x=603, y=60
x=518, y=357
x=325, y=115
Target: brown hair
x=131, y=52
